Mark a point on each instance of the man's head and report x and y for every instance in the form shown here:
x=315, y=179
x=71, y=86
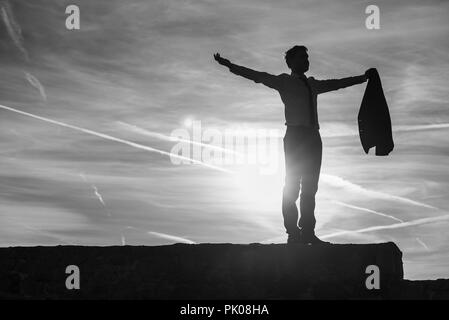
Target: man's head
x=297, y=59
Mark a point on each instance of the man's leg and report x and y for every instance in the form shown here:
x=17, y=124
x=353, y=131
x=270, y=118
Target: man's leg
x=292, y=148
x=309, y=185
x=289, y=209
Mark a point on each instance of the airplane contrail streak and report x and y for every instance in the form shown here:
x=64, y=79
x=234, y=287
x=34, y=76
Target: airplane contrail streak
x=423, y=244
x=373, y=228
x=390, y=226
x=15, y=33
x=174, y=139
x=396, y=129
x=170, y=237
x=97, y=194
x=37, y=84
x=340, y=182
x=164, y=235
x=368, y=210
x=47, y=234
x=422, y=127
x=111, y=138
x=13, y=27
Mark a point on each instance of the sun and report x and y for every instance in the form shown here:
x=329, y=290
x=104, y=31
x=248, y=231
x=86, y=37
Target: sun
x=253, y=187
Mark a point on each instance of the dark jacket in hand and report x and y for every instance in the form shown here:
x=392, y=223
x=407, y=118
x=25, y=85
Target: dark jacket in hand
x=374, y=118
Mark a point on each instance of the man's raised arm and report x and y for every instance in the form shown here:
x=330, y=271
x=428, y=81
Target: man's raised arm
x=265, y=78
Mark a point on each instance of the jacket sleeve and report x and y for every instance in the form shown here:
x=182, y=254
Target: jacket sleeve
x=322, y=86
x=265, y=78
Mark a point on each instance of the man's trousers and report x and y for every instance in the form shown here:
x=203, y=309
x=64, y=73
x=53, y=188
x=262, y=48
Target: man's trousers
x=303, y=153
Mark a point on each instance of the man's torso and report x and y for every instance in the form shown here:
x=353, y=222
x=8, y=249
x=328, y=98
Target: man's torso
x=299, y=102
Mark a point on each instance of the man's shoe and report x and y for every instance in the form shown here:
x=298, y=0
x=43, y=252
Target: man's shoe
x=312, y=239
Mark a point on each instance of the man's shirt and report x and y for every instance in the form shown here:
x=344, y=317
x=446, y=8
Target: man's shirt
x=298, y=93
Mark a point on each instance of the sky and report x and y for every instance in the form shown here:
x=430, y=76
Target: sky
x=87, y=119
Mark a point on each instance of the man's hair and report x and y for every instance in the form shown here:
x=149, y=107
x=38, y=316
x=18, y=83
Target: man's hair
x=290, y=53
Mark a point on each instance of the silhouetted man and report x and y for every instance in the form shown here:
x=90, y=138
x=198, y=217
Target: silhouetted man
x=302, y=141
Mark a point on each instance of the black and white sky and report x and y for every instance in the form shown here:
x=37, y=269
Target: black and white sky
x=137, y=70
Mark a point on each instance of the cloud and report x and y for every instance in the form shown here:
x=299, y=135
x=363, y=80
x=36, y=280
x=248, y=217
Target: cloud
x=37, y=84
x=47, y=234
x=171, y=237
x=172, y=138
x=97, y=194
x=336, y=181
x=411, y=223
x=108, y=137
x=422, y=244
x=332, y=130
x=368, y=210
x=422, y=127
x=13, y=27
x=15, y=32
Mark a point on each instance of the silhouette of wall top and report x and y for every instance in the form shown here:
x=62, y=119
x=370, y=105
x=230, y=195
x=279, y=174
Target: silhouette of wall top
x=204, y=271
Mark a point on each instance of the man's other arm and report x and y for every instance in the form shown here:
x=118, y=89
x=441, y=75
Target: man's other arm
x=265, y=78
x=323, y=86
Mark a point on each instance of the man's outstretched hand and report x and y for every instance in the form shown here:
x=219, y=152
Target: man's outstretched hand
x=222, y=61
x=369, y=73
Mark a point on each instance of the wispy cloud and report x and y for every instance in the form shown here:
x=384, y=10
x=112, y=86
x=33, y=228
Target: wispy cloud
x=422, y=127
x=337, y=181
x=163, y=235
x=340, y=132
x=13, y=27
x=422, y=244
x=161, y=136
x=15, y=32
x=405, y=224
x=389, y=227
x=37, y=84
x=97, y=194
x=170, y=237
x=108, y=137
x=368, y=210
x=47, y=234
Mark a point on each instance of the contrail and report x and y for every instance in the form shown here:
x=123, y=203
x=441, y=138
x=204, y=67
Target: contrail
x=368, y=210
x=391, y=226
x=111, y=138
x=170, y=237
x=100, y=198
x=174, y=139
x=423, y=244
x=406, y=128
x=15, y=32
x=46, y=234
x=164, y=235
x=13, y=28
x=97, y=193
x=423, y=127
x=340, y=182
x=36, y=83
x=375, y=228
